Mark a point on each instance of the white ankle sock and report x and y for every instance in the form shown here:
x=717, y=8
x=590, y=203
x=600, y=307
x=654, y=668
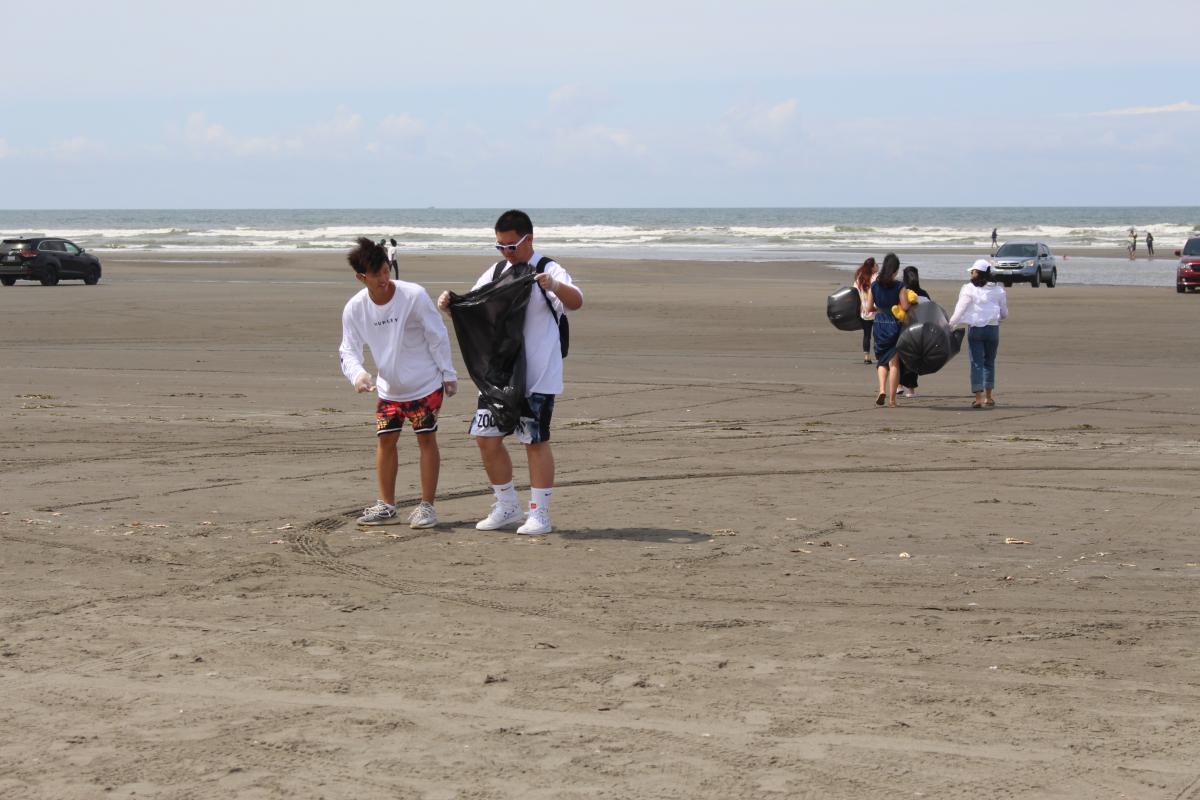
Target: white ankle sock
x=506, y=494
x=540, y=498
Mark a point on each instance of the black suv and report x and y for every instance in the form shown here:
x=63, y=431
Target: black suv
x=47, y=260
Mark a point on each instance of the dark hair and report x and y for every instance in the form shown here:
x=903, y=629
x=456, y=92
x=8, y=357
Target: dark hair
x=887, y=273
x=393, y=242
x=515, y=221
x=912, y=279
x=367, y=257
x=981, y=278
x=862, y=276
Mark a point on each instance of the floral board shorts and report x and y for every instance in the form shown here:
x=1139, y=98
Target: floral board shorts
x=422, y=414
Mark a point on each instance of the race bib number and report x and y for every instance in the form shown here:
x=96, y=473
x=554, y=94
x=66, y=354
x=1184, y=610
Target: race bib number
x=483, y=422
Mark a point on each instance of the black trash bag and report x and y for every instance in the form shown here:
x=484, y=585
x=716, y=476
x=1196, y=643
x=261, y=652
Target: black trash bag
x=490, y=325
x=843, y=307
x=926, y=342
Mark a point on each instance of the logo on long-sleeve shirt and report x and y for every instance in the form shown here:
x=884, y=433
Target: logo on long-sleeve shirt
x=385, y=321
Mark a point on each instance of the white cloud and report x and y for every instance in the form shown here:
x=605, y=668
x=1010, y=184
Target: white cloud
x=779, y=116
x=1174, y=108
x=337, y=135
x=74, y=148
x=598, y=140
x=401, y=126
x=764, y=121
x=576, y=102
x=344, y=126
x=760, y=122
x=751, y=137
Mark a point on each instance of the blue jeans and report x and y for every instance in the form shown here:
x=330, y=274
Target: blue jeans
x=983, y=343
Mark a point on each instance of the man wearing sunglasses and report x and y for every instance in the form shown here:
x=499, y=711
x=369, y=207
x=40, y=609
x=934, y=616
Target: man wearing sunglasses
x=544, y=380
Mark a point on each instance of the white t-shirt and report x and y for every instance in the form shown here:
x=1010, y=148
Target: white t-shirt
x=391, y=252
x=862, y=303
x=543, y=358
x=978, y=306
x=407, y=339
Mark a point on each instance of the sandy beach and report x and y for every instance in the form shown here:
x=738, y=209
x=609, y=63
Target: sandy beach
x=759, y=585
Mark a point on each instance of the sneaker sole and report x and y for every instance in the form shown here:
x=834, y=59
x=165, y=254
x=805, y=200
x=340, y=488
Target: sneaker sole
x=382, y=522
x=484, y=525
x=416, y=526
x=536, y=533
x=481, y=527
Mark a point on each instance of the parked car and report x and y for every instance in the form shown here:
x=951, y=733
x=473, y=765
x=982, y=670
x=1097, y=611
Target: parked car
x=1187, y=274
x=46, y=259
x=1025, y=262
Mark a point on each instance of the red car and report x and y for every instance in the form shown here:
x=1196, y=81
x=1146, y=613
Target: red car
x=1187, y=275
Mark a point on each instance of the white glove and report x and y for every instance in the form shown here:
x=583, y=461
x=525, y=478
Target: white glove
x=363, y=382
x=443, y=301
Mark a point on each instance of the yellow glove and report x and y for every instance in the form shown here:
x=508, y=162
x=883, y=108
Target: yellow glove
x=898, y=311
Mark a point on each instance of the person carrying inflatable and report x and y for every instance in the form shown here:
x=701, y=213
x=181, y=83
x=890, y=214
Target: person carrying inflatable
x=886, y=292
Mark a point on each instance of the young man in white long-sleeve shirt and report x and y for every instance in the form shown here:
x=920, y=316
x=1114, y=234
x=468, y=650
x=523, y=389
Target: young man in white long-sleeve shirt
x=407, y=338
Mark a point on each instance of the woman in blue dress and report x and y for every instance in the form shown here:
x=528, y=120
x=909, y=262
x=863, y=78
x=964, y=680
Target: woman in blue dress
x=886, y=292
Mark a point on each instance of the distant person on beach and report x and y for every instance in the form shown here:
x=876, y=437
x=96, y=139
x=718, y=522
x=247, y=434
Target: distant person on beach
x=408, y=342
x=908, y=378
x=981, y=307
x=1150, y=244
x=1132, y=244
x=863, y=278
x=553, y=294
x=391, y=257
x=885, y=293
x=993, y=238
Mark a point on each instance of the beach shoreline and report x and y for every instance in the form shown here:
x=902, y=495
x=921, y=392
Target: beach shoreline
x=759, y=583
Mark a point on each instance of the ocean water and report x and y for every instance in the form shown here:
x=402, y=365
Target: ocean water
x=841, y=236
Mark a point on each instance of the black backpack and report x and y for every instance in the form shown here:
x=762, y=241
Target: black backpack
x=564, y=328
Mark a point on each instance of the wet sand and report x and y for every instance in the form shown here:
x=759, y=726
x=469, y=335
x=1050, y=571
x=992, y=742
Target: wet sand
x=760, y=584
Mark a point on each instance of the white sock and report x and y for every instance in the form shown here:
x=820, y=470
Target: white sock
x=506, y=494
x=540, y=498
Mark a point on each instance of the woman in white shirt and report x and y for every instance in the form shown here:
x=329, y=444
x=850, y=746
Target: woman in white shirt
x=981, y=306
x=863, y=278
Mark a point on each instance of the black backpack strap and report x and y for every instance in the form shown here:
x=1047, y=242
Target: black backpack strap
x=496, y=270
x=541, y=267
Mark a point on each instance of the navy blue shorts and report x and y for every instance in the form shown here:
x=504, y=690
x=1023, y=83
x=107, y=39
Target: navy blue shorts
x=534, y=427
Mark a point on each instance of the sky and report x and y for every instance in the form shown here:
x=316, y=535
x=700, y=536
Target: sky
x=394, y=104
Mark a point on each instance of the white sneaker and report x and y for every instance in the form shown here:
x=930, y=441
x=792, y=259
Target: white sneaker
x=537, y=523
x=910, y=392
x=500, y=517
x=423, y=516
x=379, y=514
